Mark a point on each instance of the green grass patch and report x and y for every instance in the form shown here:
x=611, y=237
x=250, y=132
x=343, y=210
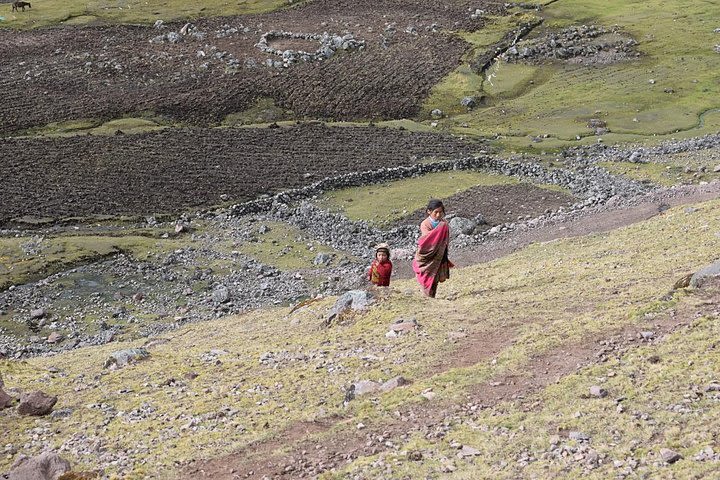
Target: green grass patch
x=263, y=112
x=76, y=12
x=127, y=125
x=384, y=203
x=676, y=42
x=285, y=247
x=658, y=173
x=23, y=259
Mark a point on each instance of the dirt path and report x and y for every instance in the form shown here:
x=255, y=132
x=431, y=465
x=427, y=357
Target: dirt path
x=309, y=455
x=311, y=449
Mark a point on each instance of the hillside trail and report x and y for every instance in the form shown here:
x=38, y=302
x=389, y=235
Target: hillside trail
x=306, y=449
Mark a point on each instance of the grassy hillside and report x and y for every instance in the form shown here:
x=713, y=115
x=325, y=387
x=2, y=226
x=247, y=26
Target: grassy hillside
x=676, y=41
x=76, y=12
x=260, y=373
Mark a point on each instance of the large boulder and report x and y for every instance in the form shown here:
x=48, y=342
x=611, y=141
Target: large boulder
x=462, y=225
x=46, y=466
x=351, y=300
x=701, y=277
x=36, y=403
x=122, y=358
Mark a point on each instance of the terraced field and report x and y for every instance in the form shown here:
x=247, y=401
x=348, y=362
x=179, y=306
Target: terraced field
x=175, y=170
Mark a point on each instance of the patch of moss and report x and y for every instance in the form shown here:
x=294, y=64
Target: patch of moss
x=23, y=259
x=660, y=174
x=675, y=42
x=74, y=12
x=384, y=203
x=286, y=248
x=264, y=111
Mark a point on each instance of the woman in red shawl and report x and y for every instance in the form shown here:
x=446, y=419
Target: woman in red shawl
x=431, y=264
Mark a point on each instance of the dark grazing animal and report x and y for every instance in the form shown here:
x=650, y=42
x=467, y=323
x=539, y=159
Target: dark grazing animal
x=20, y=5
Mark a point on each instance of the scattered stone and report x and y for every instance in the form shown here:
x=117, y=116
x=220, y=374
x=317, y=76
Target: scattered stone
x=46, y=466
x=54, y=337
x=713, y=387
x=393, y=383
x=404, y=325
x=647, y=335
x=191, y=375
x=37, y=313
x=468, y=102
x=467, y=451
x=579, y=436
x=121, y=358
x=365, y=387
x=322, y=258
x=436, y=113
x=458, y=225
x=351, y=300
x=36, y=403
x=598, y=392
x=701, y=277
x=221, y=294
x=670, y=456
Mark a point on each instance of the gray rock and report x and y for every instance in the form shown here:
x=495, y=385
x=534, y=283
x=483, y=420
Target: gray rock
x=393, y=383
x=37, y=313
x=221, y=294
x=436, y=113
x=365, y=387
x=579, y=436
x=352, y=300
x=46, y=466
x=462, y=225
x=122, y=358
x=36, y=403
x=468, y=102
x=173, y=37
x=702, y=277
x=598, y=392
x=322, y=258
x=670, y=456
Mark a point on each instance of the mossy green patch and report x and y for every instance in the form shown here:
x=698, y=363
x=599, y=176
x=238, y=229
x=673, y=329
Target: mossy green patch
x=286, y=248
x=667, y=90
x=127, y=125
x=384, y=203
x=264, y=111
x=660, y=174
x=23, y=259
x=74, y=12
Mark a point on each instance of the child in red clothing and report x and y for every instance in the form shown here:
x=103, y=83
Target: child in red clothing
x=381, y=268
